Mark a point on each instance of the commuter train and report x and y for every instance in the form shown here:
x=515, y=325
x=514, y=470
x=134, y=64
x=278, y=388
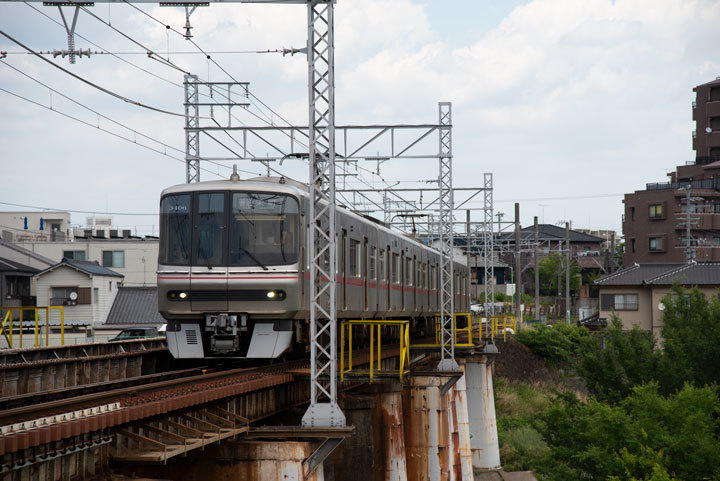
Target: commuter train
x=233, y=280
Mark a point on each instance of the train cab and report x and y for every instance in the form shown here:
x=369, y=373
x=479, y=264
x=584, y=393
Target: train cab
x=228, y=268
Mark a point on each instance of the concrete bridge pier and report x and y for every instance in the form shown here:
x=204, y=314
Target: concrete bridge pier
x=437, y=433
x=246, y=460
x=481, y=404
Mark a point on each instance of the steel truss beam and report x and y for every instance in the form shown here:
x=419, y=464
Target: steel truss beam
x=447, y=284
x=192, y=136
x=321, y=231
x=488, y=250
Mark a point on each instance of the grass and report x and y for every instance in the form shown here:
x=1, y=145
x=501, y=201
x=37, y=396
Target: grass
x=516, y=406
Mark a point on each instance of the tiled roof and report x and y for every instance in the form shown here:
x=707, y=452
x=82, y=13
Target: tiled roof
x=694, y=274
x=89, y=267
x=92, y=267
x=6, y=265
x=550, y=232
x=137, y=306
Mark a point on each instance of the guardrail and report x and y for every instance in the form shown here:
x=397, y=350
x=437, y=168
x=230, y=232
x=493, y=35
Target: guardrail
x=7, y=328
x=500, y=325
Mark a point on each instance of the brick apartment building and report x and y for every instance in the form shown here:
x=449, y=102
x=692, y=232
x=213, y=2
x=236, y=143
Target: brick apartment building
x=654, y=222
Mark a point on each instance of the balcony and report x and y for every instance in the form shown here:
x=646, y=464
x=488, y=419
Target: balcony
x=707, y=184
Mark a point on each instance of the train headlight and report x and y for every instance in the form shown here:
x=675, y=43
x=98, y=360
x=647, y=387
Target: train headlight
x=275, y=295
x=271, y=294
x=178, y=295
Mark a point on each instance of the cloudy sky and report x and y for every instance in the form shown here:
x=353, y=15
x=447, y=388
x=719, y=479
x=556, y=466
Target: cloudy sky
x=569, y=103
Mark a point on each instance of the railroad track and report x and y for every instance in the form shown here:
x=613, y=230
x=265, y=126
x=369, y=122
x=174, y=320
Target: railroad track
x=131, y=392
x=27, y=399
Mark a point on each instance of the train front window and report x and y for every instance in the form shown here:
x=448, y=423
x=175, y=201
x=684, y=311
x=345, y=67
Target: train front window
x=210, y=228
x=175, y=230
x=263, y=229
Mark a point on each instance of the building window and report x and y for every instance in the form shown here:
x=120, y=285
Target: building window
x=113, y=258
x=74, y=255
x=632, y=213
x=716, y=208
x=656, y=211
x=632, y=245
x=69, y=295
x=619, y=302
x=656, y=244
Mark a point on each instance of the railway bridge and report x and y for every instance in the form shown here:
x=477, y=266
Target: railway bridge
x=125, y=410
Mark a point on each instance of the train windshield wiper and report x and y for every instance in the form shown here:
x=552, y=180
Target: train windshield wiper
x=253, y=257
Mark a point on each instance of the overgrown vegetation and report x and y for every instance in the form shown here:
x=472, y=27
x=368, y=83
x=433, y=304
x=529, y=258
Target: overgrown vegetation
x=654, y=409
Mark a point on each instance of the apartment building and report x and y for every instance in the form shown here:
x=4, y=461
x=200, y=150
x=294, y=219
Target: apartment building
x=679, y=220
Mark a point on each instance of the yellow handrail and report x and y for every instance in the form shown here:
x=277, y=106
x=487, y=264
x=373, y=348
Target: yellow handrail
x=8, y=333
x=374, y=324
x=438, y=331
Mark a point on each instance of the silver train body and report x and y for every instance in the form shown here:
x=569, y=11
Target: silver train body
x=232, y=275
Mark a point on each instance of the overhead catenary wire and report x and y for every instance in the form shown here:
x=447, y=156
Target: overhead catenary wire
x=74, y=211
x=91, y=84
x=90, y=109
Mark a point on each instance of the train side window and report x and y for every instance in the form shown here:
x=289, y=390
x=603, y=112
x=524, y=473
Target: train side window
x=433, y=271
x=408, y=271
x=394, y=268
x=381, y=265
x=354, y=258
x=371, y=264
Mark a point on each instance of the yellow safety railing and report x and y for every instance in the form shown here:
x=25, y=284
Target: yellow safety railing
x=375, y=325
x=6, y=328
x=500, y=325
x=467, y=329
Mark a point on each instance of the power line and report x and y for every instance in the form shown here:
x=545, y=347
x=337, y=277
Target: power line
x=75, y=211
x=145, y=53
x=88, y=82
x=100, y=47
x=90, y=109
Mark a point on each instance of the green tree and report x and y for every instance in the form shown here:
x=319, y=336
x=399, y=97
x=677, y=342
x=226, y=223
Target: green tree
x=548, y=273
x=691, y=333
x=615, y=361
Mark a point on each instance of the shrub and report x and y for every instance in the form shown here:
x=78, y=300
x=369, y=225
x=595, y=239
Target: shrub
x=554, y=344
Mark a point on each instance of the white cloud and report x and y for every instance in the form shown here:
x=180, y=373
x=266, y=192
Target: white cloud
x=561, y=96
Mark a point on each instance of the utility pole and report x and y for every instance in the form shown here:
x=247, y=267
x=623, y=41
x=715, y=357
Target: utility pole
x=689, y=254
x=518, y=272
x=467, y=246
x=537, y=270
x=567, y=272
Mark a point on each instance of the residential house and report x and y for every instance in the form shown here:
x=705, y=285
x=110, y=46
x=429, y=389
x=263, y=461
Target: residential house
x=85, y=288
x=635, y=293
